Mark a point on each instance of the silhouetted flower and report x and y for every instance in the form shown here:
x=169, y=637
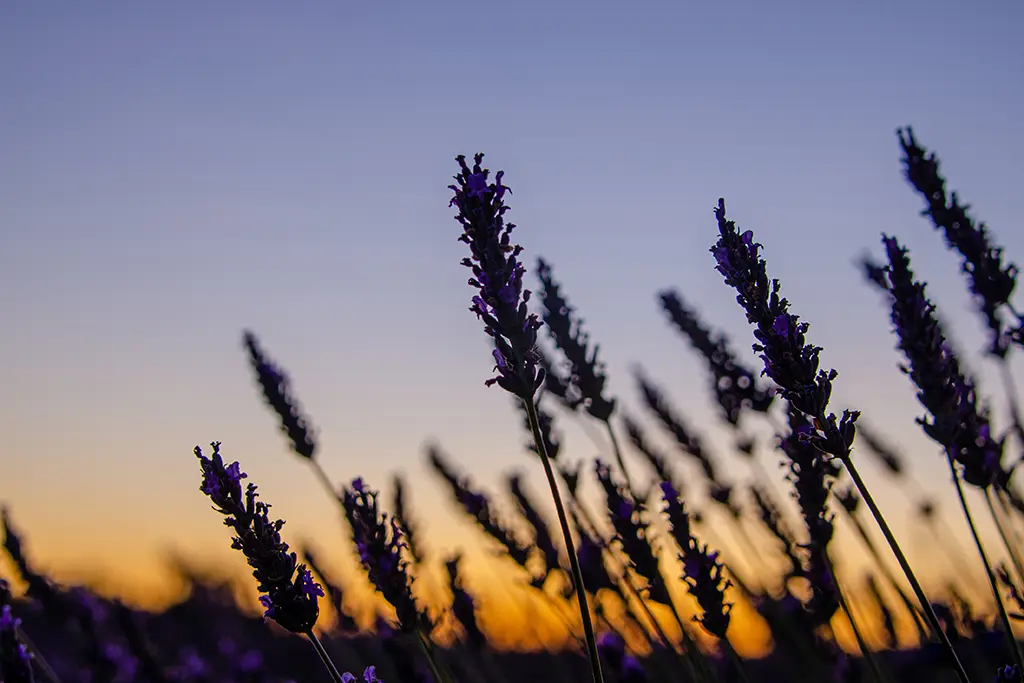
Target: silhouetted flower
x=501, y=301
x=379, y=542
x=632, y=533
x=402, y=514
x=566, y=330
x=702, y=570
x=992, y=282
x=732, y=383
x=290, y=594
x=541, y=535
x=811, y=476
x=689, y=442
x=277, y=393
x=955, y=421
x=463, y=606
x=789, y=360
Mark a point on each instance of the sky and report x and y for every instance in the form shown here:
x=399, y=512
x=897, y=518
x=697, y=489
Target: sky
x=175, y=173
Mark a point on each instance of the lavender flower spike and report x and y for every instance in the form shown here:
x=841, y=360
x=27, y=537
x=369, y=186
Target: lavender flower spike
x=290, y=594
x=380, y=542
x=789, y=360
x=498, y=277
x=955, y=422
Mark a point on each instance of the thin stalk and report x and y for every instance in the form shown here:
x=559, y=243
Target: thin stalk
x=926, y=606
x=887, y=573
x=324, y=657
x=1011, y=547
x=37, y=656
x=570, y=547
x=737, y=662
x=865, y=651
x=428, y=654
x=691, y=656
x=1003, y=617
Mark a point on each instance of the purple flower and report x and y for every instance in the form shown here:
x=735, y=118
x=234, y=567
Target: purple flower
x=954, y=419
x=500, y=301
x=290, y=595
x=789, y=360
x=380, y=542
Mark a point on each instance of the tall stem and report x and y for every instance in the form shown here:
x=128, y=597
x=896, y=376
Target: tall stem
x=428, y=654
x=887, y=573
x=1002, y=521
x=570, y=547
x=1003, y=617
x=324, y=657
x=865, y=651
x=926, y=606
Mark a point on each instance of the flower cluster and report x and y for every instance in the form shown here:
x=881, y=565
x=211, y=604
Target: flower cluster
x=789, y=360
x=380, y=542
x=277, y=392
x=732, y=383
x=992, y=282
x=290, y=594
x=501, y=301
x=812, y=478
x=631, y=532
x=702, y=570
x=955, y=422
x=566, y=330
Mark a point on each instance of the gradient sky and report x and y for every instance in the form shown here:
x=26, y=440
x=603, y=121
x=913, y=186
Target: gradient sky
x=173, y=173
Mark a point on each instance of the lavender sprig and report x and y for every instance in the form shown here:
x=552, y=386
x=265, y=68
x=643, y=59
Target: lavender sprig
x=541, y=535
x=733, y=384
x=702, y=570
x=812, y=480
x=289, y=592
x=380, y=542
x=404, y=518
x=992, y=282
x=954, y=421
x=501, y=301
x=793, y=364
x=632, y=534
x=277, y=392
x=478, y=506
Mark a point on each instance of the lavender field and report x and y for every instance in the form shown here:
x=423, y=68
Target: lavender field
x=642, y=581
x=511, y=342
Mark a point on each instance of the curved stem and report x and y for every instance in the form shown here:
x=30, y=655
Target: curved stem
x=324, y=657
x=1003, y=617
x=570, y=547
x=926, y=606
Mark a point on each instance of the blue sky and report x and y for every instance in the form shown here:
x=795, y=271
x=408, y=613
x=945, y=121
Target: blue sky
x=175, y=172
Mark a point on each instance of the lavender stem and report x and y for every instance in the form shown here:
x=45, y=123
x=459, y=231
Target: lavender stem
x=570, y=547
x=324, y=657
x=1003, y=617
x=929, y=613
